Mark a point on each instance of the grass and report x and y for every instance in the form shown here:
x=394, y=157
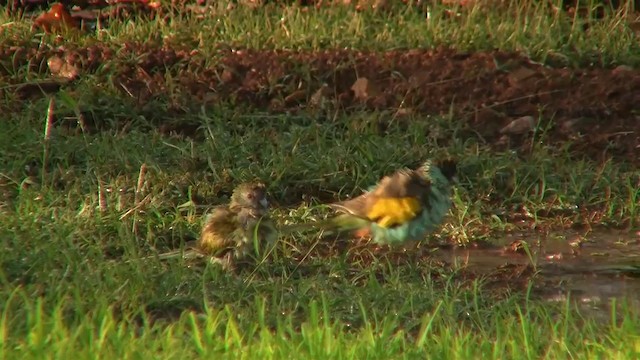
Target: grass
x=73, y=284
x=64, y=293
x=528, y=26
x=448, y=330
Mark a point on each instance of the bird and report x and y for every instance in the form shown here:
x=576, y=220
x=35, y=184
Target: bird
x=229, y=230
x=403, y=206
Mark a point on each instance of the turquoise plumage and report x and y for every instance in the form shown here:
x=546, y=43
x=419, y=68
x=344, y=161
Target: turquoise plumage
x=402, y=207
x=433, y=212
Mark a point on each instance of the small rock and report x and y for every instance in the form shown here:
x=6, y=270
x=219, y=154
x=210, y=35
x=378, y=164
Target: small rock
x=519, y=126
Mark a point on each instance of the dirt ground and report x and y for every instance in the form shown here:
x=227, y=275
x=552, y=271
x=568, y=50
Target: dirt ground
x=499, y=97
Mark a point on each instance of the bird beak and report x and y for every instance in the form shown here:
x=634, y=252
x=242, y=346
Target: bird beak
x=264, y=203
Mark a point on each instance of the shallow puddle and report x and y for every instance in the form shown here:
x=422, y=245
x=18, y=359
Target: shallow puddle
x=594, y=270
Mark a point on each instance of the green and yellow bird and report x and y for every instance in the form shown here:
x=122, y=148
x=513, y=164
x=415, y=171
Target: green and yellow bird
x=229, y=230
x=402, y=207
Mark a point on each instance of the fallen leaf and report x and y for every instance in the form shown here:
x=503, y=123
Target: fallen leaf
x=318, y=99
x=519, y=126
x=363, y=89
x=56, y=19
x=295, y=97
x=372, y=5
x=62, y=68
x=404, y=112
x=226, y=76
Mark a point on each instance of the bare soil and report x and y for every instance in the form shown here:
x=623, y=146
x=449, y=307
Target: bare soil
x=594, y=110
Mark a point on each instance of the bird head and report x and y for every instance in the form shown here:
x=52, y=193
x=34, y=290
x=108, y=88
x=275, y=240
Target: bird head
x=251, y=196
x=449, y=169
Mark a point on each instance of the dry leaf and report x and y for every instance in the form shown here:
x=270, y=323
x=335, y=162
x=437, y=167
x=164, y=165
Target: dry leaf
x=295, y=97
x=62, y=68
x=56, y=19
x=363, y=89
x=519, y=126
x=319, y=98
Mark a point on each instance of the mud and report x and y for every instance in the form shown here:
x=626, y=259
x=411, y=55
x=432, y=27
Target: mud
x=594, y=110
x=594, y=270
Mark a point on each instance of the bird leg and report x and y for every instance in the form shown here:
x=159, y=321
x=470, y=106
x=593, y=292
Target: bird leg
x=226, y=262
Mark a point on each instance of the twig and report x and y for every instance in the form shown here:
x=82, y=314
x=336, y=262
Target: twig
x=47, y=136
x=102, y=197
x=140, y=184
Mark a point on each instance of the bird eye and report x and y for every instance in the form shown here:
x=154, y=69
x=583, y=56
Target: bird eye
x=250, y=196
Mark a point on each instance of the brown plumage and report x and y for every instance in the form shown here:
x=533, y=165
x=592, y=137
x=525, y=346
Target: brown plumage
x=229, y=231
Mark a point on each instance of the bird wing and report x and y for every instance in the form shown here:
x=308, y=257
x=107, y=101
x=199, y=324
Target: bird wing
x=341, y=222
x=357, y=206
x=190, y=251
x=395, y=200
x=393, y=186
x=220, y=231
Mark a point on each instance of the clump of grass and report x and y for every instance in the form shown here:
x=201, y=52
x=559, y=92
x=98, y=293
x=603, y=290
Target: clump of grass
x=531, y=27
x=443, y=324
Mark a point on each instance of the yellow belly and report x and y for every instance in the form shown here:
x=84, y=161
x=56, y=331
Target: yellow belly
x=388, y=212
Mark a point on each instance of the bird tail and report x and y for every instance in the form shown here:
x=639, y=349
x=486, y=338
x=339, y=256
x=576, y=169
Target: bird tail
x=187, y=254
x=342, y=222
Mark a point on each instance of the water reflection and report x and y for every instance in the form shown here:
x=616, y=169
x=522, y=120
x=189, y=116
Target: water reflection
x=593, y=270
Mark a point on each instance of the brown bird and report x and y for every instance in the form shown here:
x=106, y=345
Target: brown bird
x=230, y=230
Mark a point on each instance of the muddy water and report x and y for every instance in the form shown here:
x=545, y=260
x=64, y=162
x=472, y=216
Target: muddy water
x=594, y=270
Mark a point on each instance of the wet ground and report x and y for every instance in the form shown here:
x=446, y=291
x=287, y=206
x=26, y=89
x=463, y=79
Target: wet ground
x=593, y=270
